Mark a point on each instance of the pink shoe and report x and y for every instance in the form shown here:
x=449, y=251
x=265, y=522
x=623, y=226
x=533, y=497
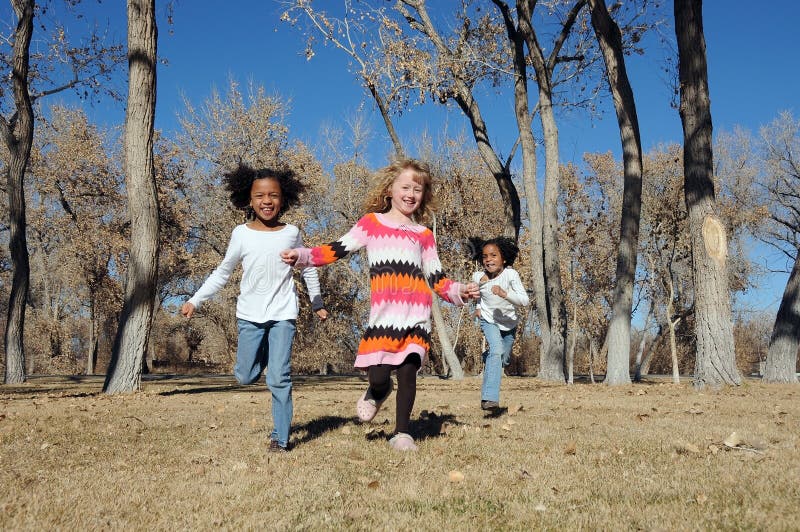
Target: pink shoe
x=402, y=442
x=367, y=407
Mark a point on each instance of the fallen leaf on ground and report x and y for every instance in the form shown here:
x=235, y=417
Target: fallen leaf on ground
x=684, y=448
x=455, y=476
x=734, y=440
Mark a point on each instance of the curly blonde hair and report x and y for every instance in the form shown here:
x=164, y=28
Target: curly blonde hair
x=378, y=198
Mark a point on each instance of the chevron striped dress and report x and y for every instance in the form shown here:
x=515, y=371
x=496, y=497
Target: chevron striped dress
x=401, y=257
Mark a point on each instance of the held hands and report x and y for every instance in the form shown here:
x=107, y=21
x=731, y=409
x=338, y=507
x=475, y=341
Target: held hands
x=187, y=309
x=496, y=290
x=322, y=314
x=289, y=256
x=470, y=291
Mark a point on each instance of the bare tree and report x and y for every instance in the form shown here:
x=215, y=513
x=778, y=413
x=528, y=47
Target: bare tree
x=17, y=134
x=124, y=372
x=87, y=64
x=619, y=331
x=781, y=141
x=715, y=357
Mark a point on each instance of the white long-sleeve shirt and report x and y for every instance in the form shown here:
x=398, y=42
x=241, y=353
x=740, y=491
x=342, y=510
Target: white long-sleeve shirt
x=267, y=291
x=501, y=310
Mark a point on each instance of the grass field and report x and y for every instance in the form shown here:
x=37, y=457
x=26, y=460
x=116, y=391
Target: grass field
x=191, y=453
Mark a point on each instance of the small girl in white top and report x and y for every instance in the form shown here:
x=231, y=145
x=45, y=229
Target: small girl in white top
x=501, y=291
x=266, y=309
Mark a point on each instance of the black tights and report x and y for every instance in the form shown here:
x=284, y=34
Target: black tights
x=380, y=382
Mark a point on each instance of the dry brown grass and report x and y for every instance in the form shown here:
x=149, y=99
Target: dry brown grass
x=190, y=453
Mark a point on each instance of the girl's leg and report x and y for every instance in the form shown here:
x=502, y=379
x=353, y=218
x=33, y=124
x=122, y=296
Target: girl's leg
x=281, y=335
x=250, y=352
x=406, y=391
x=508, y=343
x=379, y=381
x=490, y=390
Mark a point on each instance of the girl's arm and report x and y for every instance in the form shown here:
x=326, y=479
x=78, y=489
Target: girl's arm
x=311, y=279
x=516, y=293
x=302, y=257
x=219, y=277
x=449, y=290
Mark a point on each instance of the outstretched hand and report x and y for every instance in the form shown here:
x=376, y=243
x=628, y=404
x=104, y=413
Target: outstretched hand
x=322, y=314
x=470, y=291
x=289, y=256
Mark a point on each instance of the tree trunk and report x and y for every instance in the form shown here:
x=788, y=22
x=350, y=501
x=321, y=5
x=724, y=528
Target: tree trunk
x=448, y=354
x=619, y=330
x=592, y=355
x=637, y=375
x=18, y=137
x=571, y=351
x=552, y=363
x=783, y=344
x=673, y=344
x=715, y=358
x=124, y=372
x=529, y=170
x=673, y=351
x=648, y=356
x=91, y=355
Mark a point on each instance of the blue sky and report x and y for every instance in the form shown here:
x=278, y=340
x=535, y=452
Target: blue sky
x=752, y=56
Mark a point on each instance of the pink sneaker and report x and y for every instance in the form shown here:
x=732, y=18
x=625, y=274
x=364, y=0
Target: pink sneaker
x=402, y=442
x=367, y=407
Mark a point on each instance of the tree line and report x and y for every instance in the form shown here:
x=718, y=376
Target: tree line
x=107, y=232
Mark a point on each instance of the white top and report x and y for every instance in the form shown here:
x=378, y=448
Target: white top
x=267, y=291
x=501, y=310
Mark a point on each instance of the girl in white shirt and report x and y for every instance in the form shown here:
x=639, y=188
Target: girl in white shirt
x=266, y=309
x=501, y=290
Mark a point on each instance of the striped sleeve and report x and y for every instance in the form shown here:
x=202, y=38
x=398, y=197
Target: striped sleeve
x=355, y=239
x=445, y=288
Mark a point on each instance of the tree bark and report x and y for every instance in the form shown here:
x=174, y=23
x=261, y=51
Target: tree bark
x=529, y=170
x=783, y=344
x=610, y=39
x=124, y=373
x=715, y=357
x=637, y=374
x=552, y=363
x=18, y=137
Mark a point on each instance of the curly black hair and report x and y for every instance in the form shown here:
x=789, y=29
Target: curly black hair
x=508, y=248
x=240, y=180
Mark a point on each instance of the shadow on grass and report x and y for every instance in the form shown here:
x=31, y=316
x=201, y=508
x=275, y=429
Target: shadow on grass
x=317, y=427
x=495, y=413
x=220, y=388
x=430, y=426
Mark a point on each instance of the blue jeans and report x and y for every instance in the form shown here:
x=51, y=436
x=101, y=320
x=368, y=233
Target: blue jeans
x=269, y=345
x=495, y=358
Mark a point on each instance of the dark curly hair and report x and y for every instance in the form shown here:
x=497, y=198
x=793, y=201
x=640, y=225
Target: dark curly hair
x=240, y=180
x=508, y=248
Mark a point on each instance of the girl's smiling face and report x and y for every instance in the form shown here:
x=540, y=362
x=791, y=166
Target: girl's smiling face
x=406, y=193
x=266, y=199
x=492, y=259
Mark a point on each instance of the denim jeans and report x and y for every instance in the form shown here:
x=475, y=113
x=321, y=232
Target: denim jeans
x=496, y=357
x=269, y=345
